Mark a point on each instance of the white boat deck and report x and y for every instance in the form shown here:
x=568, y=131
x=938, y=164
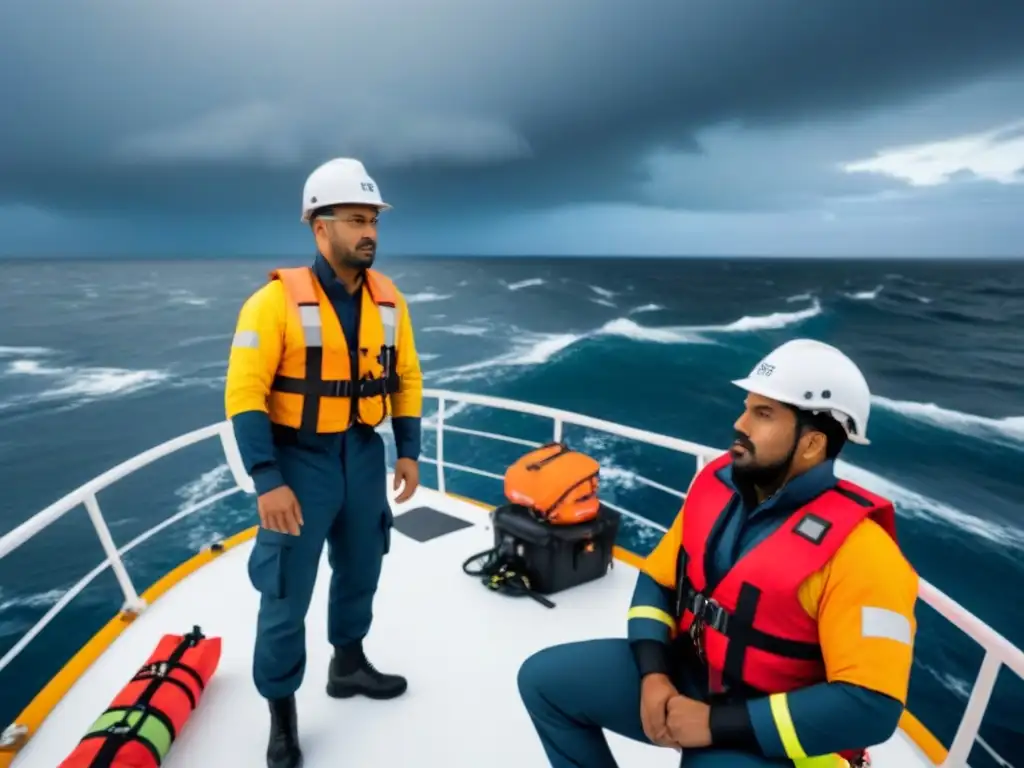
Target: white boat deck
x=459, y=644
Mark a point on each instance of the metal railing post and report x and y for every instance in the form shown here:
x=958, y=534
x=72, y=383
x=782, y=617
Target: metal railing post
x=967, y=732
x=558, y=431
x=440, y=444
x=132, y=601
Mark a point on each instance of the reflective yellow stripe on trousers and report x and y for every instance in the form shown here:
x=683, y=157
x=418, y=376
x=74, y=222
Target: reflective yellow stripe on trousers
x=791, y=743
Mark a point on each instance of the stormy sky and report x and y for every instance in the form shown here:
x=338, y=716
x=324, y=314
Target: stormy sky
x=803, y=127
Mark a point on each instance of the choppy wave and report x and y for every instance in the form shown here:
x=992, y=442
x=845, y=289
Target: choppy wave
x=24, y=351
x=78, y=384
x=646, y=308
x=955, y=685
x=37, y=600
x=19, y=611
x=188, y=298
x=1008, y=431
x=204, y=528
x=426, y=296
x=912, y=504
x=204, y=339
x=530, y=283
x=528, y=350
x=864, y=295
x=531, y=349
x=459, y=329
x=770, y=322
x=630, y=329
x=700, y=334
x=534, y=349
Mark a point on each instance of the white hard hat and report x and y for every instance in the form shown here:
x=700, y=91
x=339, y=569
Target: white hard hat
x=340, y=181
x=814, y=376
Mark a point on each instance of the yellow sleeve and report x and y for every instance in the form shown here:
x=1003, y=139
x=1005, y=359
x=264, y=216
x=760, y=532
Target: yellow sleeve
x=864, y=602
x=409, y=400
x=660, y=564
x=255, y=350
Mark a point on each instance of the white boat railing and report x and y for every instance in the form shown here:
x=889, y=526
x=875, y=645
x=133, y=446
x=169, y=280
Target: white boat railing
x=999, y=651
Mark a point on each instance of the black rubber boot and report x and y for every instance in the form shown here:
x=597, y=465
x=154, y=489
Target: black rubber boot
x=351, y=674
x=283, y=749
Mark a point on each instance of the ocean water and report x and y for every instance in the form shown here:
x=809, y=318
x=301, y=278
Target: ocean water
x=102, y=359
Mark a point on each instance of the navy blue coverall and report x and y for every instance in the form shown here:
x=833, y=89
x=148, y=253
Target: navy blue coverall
x=339, y=481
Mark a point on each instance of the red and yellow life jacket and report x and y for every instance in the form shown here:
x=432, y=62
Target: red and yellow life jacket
x=752, y=629
x=314, y=388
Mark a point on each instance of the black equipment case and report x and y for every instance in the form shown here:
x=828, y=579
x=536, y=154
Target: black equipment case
x=556, y=557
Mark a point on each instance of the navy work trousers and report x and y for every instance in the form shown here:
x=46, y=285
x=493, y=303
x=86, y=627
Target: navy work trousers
x=574, y=691
x=341, y=490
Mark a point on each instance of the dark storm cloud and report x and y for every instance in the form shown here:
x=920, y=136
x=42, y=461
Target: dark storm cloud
x=226, y=106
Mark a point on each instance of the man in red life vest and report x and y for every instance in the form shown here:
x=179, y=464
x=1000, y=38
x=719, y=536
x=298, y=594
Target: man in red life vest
x=774, y=622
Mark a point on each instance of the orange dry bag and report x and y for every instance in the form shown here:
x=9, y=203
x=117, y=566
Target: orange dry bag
x=557, y=484
x=143, y=720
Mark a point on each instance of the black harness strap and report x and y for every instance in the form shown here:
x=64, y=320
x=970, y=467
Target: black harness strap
x=333, y=387
x=738, y=626
x=502, y=572
x=314, y=387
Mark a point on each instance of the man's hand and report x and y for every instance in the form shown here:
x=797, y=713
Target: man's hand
x=406, y=471
x=689, y=722
x=280, y=511
x=655, y=692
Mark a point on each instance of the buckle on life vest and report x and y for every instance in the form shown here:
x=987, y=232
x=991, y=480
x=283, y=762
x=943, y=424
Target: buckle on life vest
x=706, y=613
x=710, y=612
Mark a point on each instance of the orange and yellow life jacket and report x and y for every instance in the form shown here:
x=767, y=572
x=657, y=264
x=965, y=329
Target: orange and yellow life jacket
x=314, y=388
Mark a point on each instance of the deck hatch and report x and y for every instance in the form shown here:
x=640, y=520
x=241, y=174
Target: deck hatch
x=423, y=524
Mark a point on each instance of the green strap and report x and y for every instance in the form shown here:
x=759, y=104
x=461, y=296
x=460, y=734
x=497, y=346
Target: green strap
x=150, y=728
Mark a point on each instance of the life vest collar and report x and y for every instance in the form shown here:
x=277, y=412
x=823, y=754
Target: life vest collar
x=795, y=493
x=763, y=518
x=333, y=287
x=329, y=281
x=382, y=292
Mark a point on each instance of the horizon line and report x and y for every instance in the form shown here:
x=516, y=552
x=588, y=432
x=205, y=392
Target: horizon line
x=498, y=256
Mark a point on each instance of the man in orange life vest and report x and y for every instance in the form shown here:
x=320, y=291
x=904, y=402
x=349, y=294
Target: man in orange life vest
x=320, y=357
x=774, y=622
